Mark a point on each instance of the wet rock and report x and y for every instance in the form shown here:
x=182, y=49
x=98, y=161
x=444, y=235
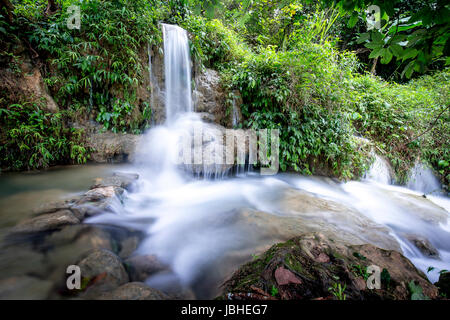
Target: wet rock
x=24, y=288
x=294, y=269
x=85, y=237
x=425, y=246
x=444, y=284
x=118, y=180
x=208, y=95
x=103, y=271
x=134, y=291
x=140, y=268
x=101, y=193
x=46, y=222
x=99, y=200
x=128, y=246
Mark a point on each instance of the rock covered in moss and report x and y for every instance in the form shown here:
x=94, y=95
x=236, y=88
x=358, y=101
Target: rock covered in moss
x=315, y=267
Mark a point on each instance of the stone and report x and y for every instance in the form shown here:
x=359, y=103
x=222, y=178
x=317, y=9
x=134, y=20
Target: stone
x=110, y=147
x=295, y=260
x=119, y=180
x=140, y=268
x=128, y=246
x=46, y=222
x=424, y=246
x=284, y=277
x=134, y=291
x=103, y=271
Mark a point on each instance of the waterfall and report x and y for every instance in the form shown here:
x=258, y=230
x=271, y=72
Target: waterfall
x=379, y=171
x=422, y=179
x=177, y=67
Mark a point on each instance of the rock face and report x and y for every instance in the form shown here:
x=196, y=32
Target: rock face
x=110, y=147
x=27, y=82
x=134, y=291
x=312, y=266
x=209, y=97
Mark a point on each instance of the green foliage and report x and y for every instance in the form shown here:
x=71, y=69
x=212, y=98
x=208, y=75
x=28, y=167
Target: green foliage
x=385, y=278
x=416, y=292
x=338, y=291
x=274, y=291
x=99, y=66
x=360, y=271
x=33, y=139
x=416, y=33
x=212, y=43
x=299, y=92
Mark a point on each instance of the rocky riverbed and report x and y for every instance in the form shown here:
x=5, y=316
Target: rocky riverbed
x=306, y=263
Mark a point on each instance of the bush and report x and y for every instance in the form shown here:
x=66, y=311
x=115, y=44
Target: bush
x=32, y=139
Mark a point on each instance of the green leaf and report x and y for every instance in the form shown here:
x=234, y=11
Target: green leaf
x=353, y=20
x=376, y=53
x=396, y=50
x=387, y=56
x=363, y=37
x=377, y=37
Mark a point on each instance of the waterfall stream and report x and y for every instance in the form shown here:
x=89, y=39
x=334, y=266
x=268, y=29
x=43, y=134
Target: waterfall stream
x=205, y=228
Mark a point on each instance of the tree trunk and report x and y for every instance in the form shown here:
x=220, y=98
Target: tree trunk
x=374, y=66
x=52, y=7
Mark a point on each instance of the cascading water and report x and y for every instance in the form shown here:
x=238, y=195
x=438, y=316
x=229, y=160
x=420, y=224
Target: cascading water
x=422, y=179
x=379, y=171
x=204, y=229
x=177, y=67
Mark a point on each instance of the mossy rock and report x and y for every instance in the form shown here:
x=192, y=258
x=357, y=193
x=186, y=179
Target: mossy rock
x=310, y=266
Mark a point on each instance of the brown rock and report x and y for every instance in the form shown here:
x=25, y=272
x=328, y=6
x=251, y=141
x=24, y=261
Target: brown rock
x=284, y=276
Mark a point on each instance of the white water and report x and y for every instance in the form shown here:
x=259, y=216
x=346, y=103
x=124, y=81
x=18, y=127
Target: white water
x=422, y=179
x=379, y=171
x=177, y=66
x=204, y=229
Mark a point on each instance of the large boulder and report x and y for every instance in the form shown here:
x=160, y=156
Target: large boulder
x=101, y=271
x=314, y=267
